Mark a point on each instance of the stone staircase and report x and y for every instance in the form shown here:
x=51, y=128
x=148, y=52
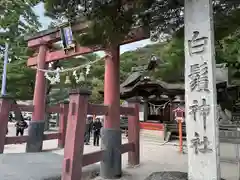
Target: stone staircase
x=151, y=135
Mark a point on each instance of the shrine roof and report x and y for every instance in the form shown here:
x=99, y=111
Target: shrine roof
x=135, y=85
x=132, y=79
x=171, y=86
x=135, y=99
x=153, y=98
x=148, y=88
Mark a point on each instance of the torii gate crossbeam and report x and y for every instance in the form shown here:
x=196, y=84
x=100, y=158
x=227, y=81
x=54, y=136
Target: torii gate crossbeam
x=52, y=36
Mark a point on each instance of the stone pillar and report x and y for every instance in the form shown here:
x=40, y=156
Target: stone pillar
x=111, y=165
x=36, y=127
x=200, y=91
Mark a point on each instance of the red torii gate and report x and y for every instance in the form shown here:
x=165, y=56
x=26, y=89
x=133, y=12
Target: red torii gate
x=41, y=42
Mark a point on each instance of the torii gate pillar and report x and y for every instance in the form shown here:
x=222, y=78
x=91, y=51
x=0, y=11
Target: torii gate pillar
x=36, y=127
x=111, y=166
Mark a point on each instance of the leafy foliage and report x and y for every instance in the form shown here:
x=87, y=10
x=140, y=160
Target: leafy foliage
x=60, y=91
x=109, y=18
x=20, y=80
x=111, y=21
x=16, y=20
x=171, y=55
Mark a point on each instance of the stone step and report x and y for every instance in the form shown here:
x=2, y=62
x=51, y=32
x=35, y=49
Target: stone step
x=229, y=134
x=152, y=135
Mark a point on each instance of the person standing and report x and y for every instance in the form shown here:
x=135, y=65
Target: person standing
x=10, y=117
x=88, y=130
x=20, y=127
x=97, y=125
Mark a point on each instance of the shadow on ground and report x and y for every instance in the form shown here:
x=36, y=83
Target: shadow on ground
x=37, y=166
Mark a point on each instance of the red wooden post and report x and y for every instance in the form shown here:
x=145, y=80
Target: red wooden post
x=111, y=140
x=133, y=136
x=36, y=127
x=73, y=151
x=63, y=124
x=112, y=89
x=4, y=113
x=40, y=87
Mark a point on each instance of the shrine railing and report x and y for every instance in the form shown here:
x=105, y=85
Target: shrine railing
x=94, y=157
x=73, y=162
x=71, y=135
x=6, y=107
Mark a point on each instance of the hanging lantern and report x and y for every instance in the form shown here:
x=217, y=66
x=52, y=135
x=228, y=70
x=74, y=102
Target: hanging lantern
x=67, y=81
x=179, y=114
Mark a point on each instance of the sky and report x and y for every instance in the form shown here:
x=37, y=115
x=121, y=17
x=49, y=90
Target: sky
x=39, y=10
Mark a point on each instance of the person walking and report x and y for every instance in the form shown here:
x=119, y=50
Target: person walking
x=20, y=127
x=97, y=125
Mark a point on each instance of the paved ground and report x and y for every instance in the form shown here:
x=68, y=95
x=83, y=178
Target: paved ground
x=155, y=156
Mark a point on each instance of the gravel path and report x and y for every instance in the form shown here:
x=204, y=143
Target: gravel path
x=155, y=157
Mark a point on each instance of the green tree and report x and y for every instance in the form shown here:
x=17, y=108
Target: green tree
x=109, y=18
x=16, y=20
x=171, y=63
x=20, y=80
x=59, y=92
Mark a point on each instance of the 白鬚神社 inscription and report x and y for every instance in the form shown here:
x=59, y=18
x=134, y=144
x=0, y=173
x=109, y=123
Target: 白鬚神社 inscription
x=200, y=146
x=203, y=109
x=193, y=109
x=199, y=77
x=197, y=44
x=200, y=94
x=199, y=83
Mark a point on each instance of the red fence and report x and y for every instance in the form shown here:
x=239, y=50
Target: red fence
x=6, y=107
x=78, y=110
x=151, y=126
x=71, y=132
